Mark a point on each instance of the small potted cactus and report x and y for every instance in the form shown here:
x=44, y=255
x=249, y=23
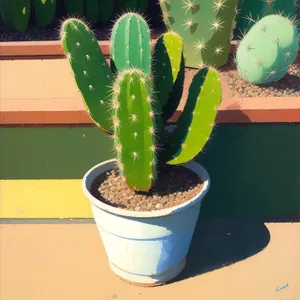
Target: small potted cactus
x=146, y=202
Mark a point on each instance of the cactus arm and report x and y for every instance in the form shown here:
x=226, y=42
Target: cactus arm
x=196, y=122
x=134, y=131
x=130, y=44
x=106, y=10
x=91, y=71
x=167, y=59
x=176, y=94
x=44, y=12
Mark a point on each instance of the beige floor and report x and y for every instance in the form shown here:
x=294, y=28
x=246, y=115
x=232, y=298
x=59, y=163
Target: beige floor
x=67, y=261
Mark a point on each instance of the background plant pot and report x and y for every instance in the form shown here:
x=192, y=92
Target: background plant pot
x=146, y=248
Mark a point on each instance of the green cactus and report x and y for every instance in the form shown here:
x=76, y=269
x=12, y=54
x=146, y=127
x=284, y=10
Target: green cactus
x=44, y=11
x=92, y=8
x=168, y=72
x=15, y=14
x=130, y=44
x=135, y=110
x=251, y=11
x=106, y=10
x=197, y=120
x=205, y=26
x=75, y=8
x=92, y=73
x=134, y=129
x=268, y=49
x=133, y=5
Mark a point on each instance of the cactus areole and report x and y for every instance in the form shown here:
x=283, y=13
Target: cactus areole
x=134, y=97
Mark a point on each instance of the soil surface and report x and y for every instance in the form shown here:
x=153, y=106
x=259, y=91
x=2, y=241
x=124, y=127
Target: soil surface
x=175, y=185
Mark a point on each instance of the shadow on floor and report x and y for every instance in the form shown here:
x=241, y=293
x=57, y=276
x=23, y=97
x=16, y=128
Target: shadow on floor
x=219, y=243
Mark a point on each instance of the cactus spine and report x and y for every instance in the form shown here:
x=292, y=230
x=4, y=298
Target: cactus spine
x=135, y=109
x=205, y=26
x=44, y=12
x=130, y=44
x=268, y=49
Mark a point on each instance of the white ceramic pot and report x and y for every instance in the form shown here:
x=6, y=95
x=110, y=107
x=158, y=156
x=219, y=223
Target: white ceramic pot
x=146, y=248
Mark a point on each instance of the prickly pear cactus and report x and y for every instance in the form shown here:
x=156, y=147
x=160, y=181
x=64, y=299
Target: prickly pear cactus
x=15, y=14
x=251, y=11
x=268, y=49
x=134, y=128
x=130, y=44
x=205, y=26
x=44, y=11
x=196, y=123
x=92, y=73
x=75, y=8
x=133, y=105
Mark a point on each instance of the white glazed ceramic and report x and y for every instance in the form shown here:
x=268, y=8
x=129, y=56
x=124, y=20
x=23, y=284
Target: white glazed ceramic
x=146, y=248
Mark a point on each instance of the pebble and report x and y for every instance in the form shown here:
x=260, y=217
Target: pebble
x=122, y=196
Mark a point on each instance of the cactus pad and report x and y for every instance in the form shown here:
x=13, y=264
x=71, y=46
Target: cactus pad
x=91, y=71
x=267, y=50
x=134, y=129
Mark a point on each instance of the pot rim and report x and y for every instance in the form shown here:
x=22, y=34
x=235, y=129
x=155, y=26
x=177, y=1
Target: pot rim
x=102, y=167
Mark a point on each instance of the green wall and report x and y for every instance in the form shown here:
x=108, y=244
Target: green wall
x=254, y=168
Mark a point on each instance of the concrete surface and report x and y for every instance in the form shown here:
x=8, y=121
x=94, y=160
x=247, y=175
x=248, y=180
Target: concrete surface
x=67, y=261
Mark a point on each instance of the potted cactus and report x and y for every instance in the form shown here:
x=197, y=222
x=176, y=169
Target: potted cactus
x=145, y=202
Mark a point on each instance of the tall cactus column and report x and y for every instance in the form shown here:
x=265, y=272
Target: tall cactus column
x=205, y=26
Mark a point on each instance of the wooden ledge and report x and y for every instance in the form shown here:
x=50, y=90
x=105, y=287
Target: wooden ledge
x=72, y=111
x=49, y=49
x=49, y=98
